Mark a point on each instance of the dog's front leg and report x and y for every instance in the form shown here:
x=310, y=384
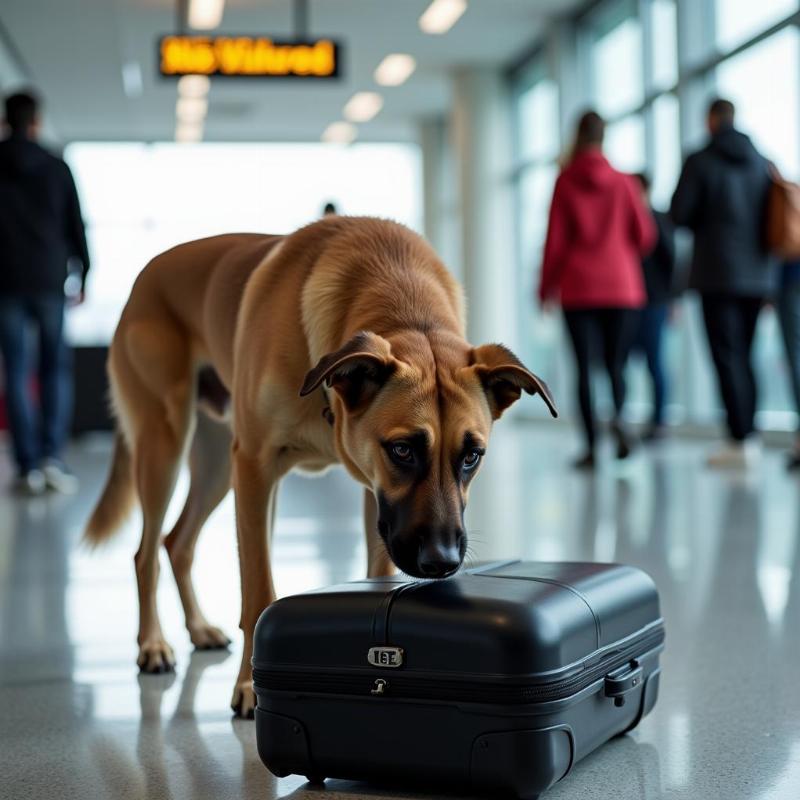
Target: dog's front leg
x=255, y=483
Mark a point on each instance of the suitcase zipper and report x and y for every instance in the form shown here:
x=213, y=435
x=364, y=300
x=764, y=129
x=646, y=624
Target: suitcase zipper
x=403, y=686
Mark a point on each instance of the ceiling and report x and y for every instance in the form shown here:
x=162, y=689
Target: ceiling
x=74, y=51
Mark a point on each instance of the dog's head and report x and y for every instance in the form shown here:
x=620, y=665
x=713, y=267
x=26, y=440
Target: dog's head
x=412, y=417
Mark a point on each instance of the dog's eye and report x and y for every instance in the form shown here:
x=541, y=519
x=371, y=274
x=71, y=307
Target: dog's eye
x=471, y=460
x=402, y=452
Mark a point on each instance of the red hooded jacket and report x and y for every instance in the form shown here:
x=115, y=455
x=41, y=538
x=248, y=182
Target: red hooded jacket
x=599, y=230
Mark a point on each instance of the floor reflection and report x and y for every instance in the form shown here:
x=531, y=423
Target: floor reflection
x=78, y=721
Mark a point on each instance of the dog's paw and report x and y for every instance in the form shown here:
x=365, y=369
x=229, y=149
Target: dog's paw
x=155, y=657
x=207, y=637
x=243, y=701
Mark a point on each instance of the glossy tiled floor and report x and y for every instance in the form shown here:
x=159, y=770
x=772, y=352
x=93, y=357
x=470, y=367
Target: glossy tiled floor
x=76, y=721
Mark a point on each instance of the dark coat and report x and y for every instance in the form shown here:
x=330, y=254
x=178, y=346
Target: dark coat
x=659, y=266
x=722, y=197
x=40, y=219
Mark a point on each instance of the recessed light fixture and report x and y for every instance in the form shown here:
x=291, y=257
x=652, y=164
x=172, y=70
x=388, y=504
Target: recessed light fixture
x=363, y=106
x=191, y=109
x=193, y=86
x=205, y=14
x=441, y=15
x=395, y=69
x=339, y=133
x=189, y=131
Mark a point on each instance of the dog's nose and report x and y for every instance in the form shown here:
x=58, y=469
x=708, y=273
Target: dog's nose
x=436, y=560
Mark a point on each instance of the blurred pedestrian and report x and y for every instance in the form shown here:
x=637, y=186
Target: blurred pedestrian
x=598, y=231
x=721, y=196
x=40, y=231
x=787, y=307
x=658, y=269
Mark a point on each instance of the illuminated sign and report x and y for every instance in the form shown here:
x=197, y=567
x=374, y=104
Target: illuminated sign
x=247, y=57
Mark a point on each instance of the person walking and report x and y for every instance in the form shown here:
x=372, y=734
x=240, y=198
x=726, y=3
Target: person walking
x=721, y=197
x=658, y=269
x=40, y=231
x=598, y=231
x=787, y=306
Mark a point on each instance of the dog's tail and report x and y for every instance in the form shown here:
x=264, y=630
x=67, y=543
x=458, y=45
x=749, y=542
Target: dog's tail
x=117, y=499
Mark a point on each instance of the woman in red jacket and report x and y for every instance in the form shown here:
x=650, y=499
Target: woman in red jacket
x=599, y=230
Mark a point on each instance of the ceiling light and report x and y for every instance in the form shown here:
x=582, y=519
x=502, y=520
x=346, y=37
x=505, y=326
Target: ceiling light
x=188, y=131
x=395, y=69
x=205, y=14
x=441, y=15
x=339, y=133
x=132, y=79
x=193, y=86
x=191, y=109
x=363, y=106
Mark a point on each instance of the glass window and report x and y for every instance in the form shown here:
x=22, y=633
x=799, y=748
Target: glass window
x=664, y=39
x=738, y=20
x=535, y=193
x=625, y=145
x=764, y=83
x=538, y=121
x=666, y=149
x=616, y=61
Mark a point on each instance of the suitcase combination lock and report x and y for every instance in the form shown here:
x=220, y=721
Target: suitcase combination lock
x=380, y=686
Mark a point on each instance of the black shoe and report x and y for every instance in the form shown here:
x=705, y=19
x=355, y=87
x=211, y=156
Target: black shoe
x=654, y=433
x=585, y=462
x=624, y=443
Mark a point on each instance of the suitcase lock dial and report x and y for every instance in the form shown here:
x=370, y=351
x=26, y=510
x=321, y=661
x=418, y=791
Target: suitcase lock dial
x=391, y=657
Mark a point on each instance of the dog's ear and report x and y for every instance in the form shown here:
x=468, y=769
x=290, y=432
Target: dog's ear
x=356, y=371
x=505, y=377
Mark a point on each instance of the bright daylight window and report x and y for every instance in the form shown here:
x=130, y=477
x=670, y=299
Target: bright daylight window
x=617, y=67
x=764, y=83
x=139, y=200
x=538, y=121
x=738, y=20
x=624, y=144
x=664, y=57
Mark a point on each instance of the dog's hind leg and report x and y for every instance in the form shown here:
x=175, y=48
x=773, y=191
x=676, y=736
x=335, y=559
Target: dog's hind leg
x=378, y=562
x=164, y=414
x=210, y=470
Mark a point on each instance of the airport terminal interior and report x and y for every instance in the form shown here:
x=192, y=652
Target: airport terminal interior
x=454, y=118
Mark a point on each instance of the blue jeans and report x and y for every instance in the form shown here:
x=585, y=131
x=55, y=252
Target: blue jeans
x=37, y=434
x=648, y=342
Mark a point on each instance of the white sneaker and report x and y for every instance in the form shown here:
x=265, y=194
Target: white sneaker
x=736, y=455
x=31, y=482
x=59, y=478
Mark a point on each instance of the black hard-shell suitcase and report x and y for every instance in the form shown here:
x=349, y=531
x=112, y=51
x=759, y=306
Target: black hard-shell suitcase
x=498, y=679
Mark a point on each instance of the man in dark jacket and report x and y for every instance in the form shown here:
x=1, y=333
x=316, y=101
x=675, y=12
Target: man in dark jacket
x=40, y=231
x=721, y=197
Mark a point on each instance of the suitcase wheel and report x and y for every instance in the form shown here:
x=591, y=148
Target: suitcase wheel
x=315, y=780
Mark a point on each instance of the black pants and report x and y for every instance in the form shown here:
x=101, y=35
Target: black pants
x=731, y=327
x=610, y=332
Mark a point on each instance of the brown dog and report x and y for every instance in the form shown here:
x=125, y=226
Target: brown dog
x=342, y=342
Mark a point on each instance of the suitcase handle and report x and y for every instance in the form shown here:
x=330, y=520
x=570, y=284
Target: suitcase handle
x=622, y=681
